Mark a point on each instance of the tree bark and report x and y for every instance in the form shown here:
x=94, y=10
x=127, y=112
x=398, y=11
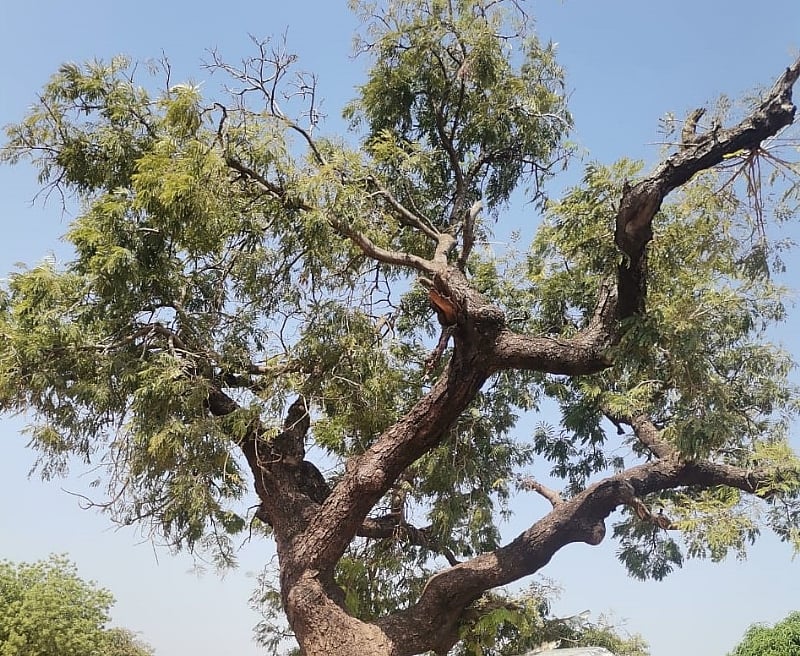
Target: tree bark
x=314, y=526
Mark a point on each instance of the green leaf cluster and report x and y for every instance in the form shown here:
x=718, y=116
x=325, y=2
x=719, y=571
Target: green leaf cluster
x=781, y=639
x=462, y=102
x=210, y=251
x=186, y=276
x=47, y=610
x=508, y=625
x=699, y=363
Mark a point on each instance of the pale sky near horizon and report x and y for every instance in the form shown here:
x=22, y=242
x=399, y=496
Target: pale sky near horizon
x=627, y=61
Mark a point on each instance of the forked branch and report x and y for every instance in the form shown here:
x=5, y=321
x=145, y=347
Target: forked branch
x=640, y=202
x=579, y=519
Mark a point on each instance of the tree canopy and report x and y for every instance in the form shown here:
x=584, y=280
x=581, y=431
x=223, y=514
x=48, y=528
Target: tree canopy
x=254, y=309
x=781, y=639
x=47, y=610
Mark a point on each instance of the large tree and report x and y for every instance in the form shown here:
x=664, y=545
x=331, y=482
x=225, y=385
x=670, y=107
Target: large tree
x=250, y=304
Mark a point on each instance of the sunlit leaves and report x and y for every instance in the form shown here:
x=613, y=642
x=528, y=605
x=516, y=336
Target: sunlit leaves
x=781, y=639
x=508, y=625
x=219, y=259
x=47, y=610
x=698, y=362
x=461, y=102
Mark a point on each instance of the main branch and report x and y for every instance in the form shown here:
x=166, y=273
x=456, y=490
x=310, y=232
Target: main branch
x=435, y=617
x=640, y=202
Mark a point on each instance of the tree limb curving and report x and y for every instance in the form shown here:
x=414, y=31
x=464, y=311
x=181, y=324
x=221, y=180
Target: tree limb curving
x=640, y=202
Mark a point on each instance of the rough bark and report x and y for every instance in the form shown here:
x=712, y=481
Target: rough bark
x=314, y=525
x=640, y=202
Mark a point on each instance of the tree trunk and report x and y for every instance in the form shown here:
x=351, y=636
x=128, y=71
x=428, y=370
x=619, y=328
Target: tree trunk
x=323, y=628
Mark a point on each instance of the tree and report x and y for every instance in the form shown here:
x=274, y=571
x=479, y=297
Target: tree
x=782, y=639
x=47, y=610
x=244, y=289
x=499, y=625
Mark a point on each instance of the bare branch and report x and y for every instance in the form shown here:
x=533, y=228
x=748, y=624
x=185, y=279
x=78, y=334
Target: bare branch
x=553, y=496
x=271, y=188
x=640, y=202
x=367, y=246
x=371, y=249
x=264, y=75
x=585, y=353
x=688, y=133
x=405, y=215
x=435, y=356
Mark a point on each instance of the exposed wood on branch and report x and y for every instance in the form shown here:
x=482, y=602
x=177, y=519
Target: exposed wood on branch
x=445, y=308
x=688, y=133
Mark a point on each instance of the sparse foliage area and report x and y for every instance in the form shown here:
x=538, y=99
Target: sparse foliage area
x=257, y=310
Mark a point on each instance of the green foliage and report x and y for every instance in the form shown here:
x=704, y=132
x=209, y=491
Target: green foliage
x=515, y=624
x=782, y=639
x=47, y=610
x=645, y=550
x=454, y=113
x=699, y=362
x=213, y=250
x=185, y=277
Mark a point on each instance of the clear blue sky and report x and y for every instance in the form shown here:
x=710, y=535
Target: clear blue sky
x=628, y=62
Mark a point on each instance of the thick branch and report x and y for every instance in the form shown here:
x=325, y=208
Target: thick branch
x=758, y=482
x=370, y=475
x=580, y=519
x=450, y=591
x=585, y=353
x=288, y=487
x=482, y=345
x=641, y=201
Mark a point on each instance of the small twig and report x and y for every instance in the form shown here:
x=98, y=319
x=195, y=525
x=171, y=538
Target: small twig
x=532, y=485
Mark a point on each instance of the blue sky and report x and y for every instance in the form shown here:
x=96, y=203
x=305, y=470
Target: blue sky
x=627, y=61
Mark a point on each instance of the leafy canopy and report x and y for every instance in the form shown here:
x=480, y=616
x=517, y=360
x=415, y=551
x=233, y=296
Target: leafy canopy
x=186, y=275
x=47, y=610
x=224, y=245
x=781, y=639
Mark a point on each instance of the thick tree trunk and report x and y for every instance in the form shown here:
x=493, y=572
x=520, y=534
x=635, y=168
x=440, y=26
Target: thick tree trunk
x=323, y=628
